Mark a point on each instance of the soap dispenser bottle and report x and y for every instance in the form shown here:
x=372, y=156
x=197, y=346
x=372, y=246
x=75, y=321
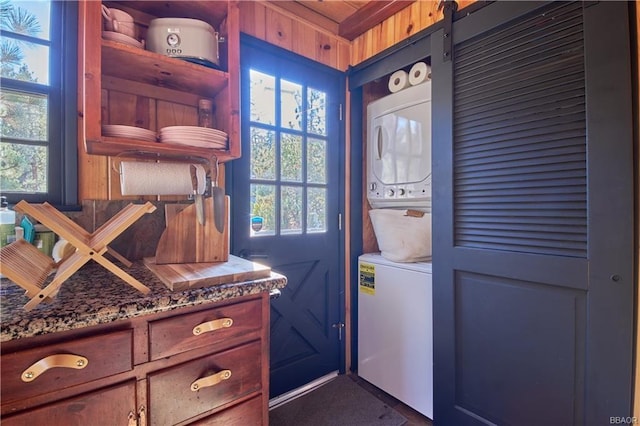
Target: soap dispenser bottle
x=7, y=223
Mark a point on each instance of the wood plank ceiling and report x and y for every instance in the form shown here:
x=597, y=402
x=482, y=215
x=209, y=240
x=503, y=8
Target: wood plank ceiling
x=347, y=19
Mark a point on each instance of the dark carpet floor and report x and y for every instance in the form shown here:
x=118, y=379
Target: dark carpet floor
x=340, y=402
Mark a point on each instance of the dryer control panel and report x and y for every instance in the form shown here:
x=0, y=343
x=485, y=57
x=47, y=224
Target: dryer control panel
x=403, y=195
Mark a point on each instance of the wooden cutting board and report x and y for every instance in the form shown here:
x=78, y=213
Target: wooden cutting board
x=186, y=241
x=184, y=276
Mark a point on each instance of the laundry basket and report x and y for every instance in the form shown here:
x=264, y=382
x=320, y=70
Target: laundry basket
x=403, y=235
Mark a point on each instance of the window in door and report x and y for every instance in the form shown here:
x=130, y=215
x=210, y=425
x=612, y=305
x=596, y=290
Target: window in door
x=288, y=152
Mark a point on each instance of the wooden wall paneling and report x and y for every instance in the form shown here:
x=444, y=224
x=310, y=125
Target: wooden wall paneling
x=357, y=50
x=123, y=108
x=279, y=30
x=305, y=13
x=304, y=37
x=344, y=55
x=253, y=19
x=144, y=111
x=369, y=241
x=387, y=34
x=370, y=15
x=300, y=36
x=377, y=39
x=92, y=177
x=154, y=92
x=174, y=114
x=326, y=50
x=364, y=47
x=407, y=21
x=430, y=14
x=369, y=48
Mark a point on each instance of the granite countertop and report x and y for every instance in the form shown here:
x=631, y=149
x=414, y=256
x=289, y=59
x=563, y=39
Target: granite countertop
x=93, y=296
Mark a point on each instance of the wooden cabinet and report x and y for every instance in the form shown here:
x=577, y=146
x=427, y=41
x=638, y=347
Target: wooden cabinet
x=107, y=354
x=203, y=384
x=201, y=365
x=115, y=405
x=127, y=85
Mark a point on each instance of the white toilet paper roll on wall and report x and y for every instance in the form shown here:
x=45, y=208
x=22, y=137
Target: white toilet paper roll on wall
x=398, y=81
x=419, y=73
x=145, y=178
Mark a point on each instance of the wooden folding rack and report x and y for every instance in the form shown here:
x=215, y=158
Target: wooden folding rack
x=25, y=265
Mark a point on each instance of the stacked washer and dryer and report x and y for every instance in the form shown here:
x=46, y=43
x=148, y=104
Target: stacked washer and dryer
x=395, y=331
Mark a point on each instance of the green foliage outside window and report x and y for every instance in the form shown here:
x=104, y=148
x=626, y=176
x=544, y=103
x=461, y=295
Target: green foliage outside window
x=23, y=116
x=291, y=162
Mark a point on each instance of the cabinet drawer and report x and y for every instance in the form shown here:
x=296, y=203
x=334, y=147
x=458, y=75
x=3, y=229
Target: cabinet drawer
x=245, y=414
x=176, y=334
x=172, y=400
x=105, y=354
x=106, y=407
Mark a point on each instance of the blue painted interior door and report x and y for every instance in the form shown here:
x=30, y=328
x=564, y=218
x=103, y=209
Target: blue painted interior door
x=286, y=202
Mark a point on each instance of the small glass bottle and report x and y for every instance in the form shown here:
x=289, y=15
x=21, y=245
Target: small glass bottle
x=7, y=223
x=205, y=113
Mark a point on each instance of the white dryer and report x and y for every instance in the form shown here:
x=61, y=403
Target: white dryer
x=399, y=149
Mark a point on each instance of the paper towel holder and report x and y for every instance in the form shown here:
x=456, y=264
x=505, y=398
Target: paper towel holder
x=145, y=155
x=208, y=163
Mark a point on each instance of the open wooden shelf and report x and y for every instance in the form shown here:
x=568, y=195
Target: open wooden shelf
x=126, y=85
x=131, y=63
x=122, y=147
x=213, y=12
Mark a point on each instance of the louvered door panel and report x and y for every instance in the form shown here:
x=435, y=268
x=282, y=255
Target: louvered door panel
x=533, y=276
x=520, y=137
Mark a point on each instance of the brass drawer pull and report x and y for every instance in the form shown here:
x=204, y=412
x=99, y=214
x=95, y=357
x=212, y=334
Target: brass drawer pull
x=212, y=380
x=61, y=360
x=212, y=326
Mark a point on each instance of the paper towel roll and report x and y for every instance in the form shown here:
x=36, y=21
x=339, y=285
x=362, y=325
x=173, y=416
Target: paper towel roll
x=419, y=73
x=398, y=81
x=146, y=178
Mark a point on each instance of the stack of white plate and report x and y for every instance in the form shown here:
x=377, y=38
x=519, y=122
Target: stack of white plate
x=129, y=132
x=122, y=38
x=194, y=136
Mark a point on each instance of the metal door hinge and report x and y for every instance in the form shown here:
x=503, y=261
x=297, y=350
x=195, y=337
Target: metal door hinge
x=340, y=112
x=339, y=326
x=339, y=221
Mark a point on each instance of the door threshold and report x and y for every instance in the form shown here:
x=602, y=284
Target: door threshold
x=302, y=390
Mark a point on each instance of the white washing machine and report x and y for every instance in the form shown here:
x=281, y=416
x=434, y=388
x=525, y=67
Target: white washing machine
x=395, y=329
